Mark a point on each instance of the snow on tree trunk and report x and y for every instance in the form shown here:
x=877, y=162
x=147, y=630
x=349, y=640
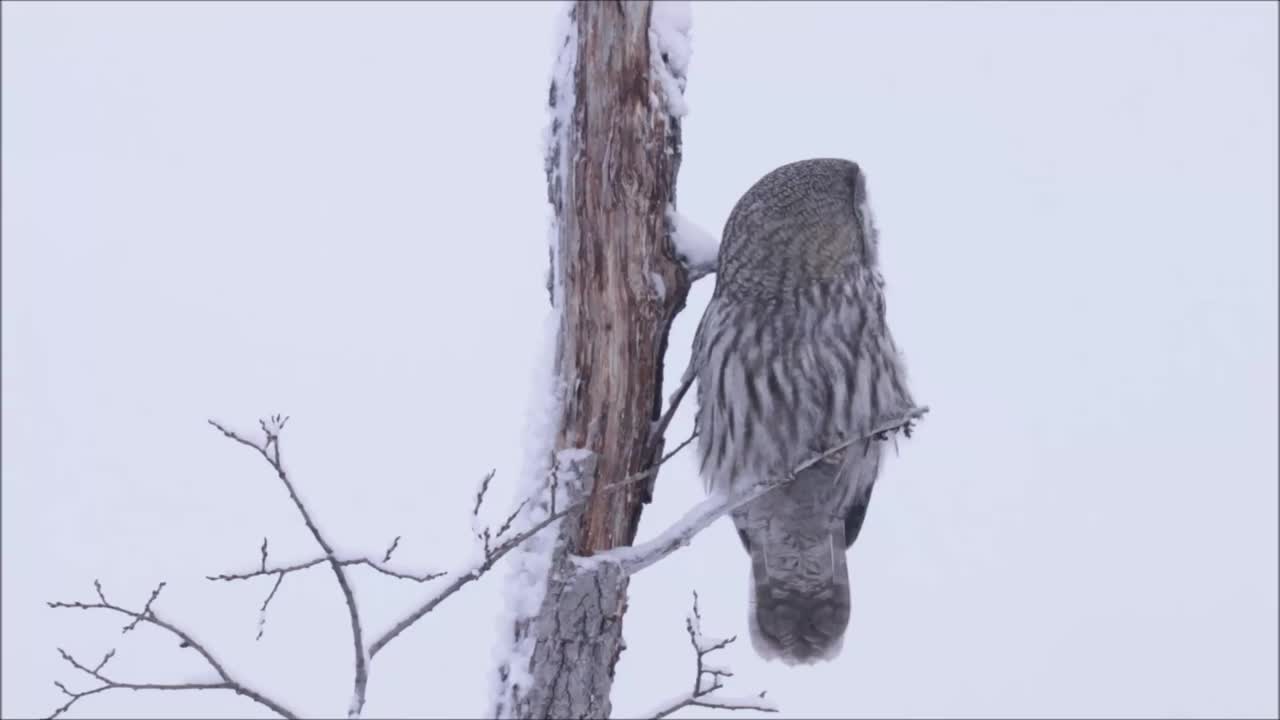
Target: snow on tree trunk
x=616, y=286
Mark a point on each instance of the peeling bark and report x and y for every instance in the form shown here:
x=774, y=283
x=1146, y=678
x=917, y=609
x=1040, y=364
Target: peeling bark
x=620, y=287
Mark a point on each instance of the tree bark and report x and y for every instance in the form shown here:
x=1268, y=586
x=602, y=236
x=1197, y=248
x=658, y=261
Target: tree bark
x=611, y=179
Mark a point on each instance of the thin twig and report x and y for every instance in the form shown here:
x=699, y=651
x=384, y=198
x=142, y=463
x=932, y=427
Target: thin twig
x=506, y=524
x=367, y=562
x=272, y=444
x=490, y=559
x=692, y=436
x=652, y=469
x=480, y=492
x=656, y=435
x=701, y=695
x=281, y=571
x=262, y=612
x=109, y=684
x=148, y=615
x=146, y=610
x=394, y=544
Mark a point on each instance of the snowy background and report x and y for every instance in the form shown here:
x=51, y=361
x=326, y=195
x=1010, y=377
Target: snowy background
x=337, y=211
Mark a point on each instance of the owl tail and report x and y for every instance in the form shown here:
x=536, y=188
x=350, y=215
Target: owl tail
x=797, y=536
x=799, y=597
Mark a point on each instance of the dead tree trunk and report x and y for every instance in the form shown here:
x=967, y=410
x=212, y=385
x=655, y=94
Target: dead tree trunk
x=616, y=283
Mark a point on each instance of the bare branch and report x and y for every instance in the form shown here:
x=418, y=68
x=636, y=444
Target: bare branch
x=262, y=612
x=491, y=557
x=146, y=610
x=480, y=492
x=655, y=436
x=692, y=436
x=270, y=451
x=652, y=469
x=75, y=696
x=703, y=689
x=148, y=616
x=636, y=558
x=506, y=524
x=281, y=571
x=348, y=562
x=394, y=544
x=105, y=658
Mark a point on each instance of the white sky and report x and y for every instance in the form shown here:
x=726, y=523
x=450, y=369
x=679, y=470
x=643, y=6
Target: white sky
x=337, y=211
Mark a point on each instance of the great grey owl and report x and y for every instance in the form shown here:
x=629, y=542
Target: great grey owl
x=793, y=357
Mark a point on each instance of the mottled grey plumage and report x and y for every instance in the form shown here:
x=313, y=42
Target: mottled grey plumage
x=793, y=356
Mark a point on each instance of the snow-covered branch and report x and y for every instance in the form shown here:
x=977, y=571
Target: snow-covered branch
x=697, y=249
x=703, y=693
x=269, y=449
x=638, y=557
x=148, y=615
x=485, y=536
x=492, y=544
